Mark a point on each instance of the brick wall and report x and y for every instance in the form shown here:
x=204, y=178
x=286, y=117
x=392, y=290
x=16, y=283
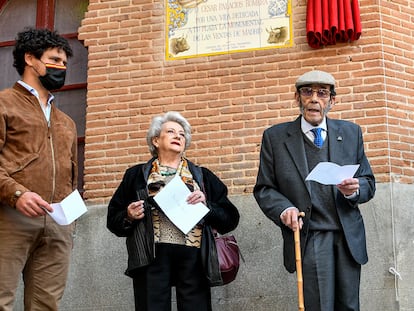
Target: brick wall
x=230, y=99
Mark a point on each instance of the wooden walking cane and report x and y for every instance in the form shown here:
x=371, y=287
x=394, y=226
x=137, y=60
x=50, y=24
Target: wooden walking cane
x=298, y=257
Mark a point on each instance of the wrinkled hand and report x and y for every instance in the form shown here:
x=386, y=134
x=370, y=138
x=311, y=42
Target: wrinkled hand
x=31, y=204
x=348, y=186
x=136, y=210
x=196, y=197
x=291, y=219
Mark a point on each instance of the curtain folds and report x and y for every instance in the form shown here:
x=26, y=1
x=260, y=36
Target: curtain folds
x=331, y=21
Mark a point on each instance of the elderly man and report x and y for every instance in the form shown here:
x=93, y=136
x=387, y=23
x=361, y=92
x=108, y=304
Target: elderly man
x=332, y=231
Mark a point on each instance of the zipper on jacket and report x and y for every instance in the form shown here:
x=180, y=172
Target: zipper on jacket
x=53, y=166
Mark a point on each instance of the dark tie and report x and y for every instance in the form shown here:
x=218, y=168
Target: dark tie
x=318, y=141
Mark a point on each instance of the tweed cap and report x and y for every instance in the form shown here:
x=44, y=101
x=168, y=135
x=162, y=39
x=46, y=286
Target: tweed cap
x=315, y=77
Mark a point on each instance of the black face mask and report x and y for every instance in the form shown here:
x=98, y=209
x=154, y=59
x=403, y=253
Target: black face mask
x=54, y=78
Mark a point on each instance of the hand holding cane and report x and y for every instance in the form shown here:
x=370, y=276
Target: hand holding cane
x=298, y=257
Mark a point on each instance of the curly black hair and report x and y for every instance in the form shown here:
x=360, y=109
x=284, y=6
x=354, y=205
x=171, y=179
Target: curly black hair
x=36, y=42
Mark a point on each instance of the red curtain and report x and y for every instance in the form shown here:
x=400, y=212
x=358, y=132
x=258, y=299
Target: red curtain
x=331, y=21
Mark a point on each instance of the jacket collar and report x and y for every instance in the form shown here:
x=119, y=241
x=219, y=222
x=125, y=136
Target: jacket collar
x=296, y=147
x=335, y=142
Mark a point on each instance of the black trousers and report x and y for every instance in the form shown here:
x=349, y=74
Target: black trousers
x=174, y=265
x=331, y=277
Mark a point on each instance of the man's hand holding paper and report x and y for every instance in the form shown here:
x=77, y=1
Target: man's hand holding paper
x=349, y=186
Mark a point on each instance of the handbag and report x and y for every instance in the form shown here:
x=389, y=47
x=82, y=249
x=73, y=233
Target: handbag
x=220, y=256
x=228, y=254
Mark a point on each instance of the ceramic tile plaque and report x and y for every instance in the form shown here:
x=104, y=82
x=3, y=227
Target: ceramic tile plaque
x=210, y=27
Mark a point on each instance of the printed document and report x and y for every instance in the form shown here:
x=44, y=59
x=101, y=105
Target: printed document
x=329, y=173
x=172, y=200
x=70, y=209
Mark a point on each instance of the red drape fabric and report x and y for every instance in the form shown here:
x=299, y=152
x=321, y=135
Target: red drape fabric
x=331, y=21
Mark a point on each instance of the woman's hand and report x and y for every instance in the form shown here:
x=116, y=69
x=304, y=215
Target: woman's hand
x=196, y=197
x=136, y=210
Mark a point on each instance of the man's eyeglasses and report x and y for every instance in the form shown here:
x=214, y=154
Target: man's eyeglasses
x=308, y=92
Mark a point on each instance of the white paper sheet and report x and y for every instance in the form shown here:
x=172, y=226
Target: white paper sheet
x=70, y=209
x=172, y=200
x=329, y=173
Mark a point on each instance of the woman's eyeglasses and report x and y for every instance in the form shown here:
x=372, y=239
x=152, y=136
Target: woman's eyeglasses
x=308, y=92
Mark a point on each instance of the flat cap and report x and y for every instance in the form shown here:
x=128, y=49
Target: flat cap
x=315, y=77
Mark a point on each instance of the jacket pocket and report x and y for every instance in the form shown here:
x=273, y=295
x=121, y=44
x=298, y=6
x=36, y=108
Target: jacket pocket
x=14, y=167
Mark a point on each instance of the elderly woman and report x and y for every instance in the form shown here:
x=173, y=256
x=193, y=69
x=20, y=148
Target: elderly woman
x=159, y=254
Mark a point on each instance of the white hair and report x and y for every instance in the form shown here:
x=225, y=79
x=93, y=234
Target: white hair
x=156, y=126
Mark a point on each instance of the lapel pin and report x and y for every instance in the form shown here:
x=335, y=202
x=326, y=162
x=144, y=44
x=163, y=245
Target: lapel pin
x=339, y=138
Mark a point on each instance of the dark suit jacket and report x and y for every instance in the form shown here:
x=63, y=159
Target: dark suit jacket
x=281, y=182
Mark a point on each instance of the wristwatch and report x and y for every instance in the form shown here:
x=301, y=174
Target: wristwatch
x=17, y=194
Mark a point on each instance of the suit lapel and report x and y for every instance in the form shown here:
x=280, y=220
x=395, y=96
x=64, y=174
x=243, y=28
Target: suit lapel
x=296, y=148
x=335, y=141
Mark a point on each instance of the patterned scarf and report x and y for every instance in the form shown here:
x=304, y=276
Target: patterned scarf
x=164, y=230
